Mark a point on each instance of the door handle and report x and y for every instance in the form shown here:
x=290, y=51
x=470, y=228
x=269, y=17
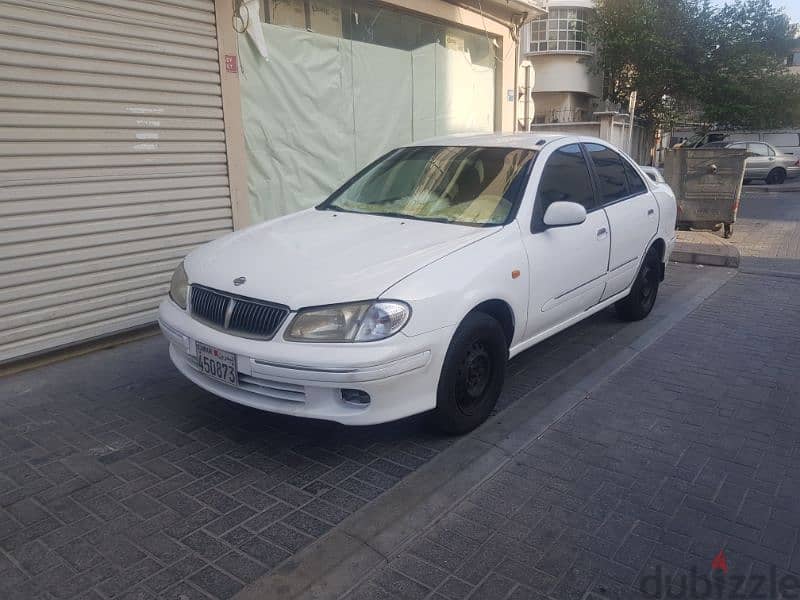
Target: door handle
x=651, y=212
x=602, y=233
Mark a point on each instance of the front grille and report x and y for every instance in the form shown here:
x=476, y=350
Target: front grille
x=241, y=316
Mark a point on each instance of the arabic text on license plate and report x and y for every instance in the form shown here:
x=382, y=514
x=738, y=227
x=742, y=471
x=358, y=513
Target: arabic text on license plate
x=217, y=363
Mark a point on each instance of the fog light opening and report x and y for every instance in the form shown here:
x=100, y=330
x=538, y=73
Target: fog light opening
x=357, y=397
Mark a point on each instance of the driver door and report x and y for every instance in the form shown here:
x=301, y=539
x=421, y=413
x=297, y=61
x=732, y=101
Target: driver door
x=569, y=264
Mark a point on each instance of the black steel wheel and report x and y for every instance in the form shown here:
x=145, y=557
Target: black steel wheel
x=638, y=304
x=776, y=176
x=472, y=374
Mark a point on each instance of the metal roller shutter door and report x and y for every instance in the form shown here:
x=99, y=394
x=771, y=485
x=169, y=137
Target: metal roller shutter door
x=112, y=162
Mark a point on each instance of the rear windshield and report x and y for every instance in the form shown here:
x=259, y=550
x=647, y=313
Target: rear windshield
x=451, y=184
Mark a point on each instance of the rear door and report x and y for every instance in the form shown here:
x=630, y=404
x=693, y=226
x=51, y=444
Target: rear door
x=632, y=213
x=761, y=164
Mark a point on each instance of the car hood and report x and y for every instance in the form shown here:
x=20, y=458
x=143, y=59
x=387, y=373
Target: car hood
x=324, y=257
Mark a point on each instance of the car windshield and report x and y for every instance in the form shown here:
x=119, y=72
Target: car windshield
x=467, y=185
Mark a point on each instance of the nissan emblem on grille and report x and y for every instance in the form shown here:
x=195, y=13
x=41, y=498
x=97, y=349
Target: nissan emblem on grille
x=239, y=281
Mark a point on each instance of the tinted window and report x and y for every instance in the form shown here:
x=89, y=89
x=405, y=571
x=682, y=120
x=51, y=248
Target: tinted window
x=565, y=178
x=635, y=183
x=610, y=172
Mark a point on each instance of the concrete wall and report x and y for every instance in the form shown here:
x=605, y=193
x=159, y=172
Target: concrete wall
x=565, y=73
x=611, y=127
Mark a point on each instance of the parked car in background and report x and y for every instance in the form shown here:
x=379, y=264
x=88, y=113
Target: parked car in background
x=409, y=288
x=764, y=161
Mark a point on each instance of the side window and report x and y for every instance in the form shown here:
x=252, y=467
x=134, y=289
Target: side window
x=759, y=149
x=610, y=172
x=635, y=184
x=565, y=178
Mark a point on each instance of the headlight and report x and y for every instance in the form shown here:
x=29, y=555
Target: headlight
x=355, y=322
x=179, y=286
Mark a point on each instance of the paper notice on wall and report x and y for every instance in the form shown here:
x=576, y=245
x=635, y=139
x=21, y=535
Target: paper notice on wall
x=250, y=13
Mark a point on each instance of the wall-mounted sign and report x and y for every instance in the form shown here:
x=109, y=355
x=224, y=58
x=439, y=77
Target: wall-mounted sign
x=231, y=63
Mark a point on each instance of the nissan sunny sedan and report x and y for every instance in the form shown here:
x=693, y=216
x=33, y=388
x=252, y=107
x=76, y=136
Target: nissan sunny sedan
x=410, y=287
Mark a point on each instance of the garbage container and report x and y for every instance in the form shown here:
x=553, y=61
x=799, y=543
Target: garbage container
x=708, y=185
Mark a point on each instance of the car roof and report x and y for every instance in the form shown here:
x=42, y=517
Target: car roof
x=532, y=141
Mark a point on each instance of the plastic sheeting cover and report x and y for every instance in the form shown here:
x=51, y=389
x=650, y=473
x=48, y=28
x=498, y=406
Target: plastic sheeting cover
x=323, y=107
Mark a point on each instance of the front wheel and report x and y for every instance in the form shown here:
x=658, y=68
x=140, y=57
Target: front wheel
x=638, y=304
x=472, y=374
x=776, y=176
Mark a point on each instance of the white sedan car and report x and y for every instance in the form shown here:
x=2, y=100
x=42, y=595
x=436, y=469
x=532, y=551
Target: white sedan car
x=409, y=288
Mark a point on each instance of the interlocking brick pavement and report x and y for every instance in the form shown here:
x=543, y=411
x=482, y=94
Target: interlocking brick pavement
x=690, y=449
x=120, y=479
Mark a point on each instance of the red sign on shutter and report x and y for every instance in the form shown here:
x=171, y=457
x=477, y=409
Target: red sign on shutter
x=231, y=63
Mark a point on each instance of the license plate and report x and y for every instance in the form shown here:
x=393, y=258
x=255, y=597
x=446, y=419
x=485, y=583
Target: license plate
x=217, y=364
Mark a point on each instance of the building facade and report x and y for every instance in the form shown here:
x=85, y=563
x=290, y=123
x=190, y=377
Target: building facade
x=558, y=46
x=134, y=131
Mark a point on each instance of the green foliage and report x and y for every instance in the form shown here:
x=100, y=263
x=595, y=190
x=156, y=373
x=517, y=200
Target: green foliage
x=726, y=63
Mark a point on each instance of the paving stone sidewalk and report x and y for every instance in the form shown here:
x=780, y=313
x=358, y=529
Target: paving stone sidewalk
x=690, y=449
x=120, y=479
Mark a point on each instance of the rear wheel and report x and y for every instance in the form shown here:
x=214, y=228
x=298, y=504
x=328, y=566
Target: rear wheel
x=638, y=304
x=472, y=375
x=777, y=175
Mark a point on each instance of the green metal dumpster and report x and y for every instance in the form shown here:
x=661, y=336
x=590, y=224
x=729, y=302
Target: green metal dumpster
x=708, y=185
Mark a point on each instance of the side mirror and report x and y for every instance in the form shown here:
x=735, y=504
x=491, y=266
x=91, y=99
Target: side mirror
x=562, y=214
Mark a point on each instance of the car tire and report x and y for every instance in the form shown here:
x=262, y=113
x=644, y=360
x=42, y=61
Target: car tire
x=776, y=176
x=472, y=374
x=638, y=304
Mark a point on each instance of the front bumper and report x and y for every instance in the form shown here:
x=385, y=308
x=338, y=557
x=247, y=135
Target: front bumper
x=400, y=374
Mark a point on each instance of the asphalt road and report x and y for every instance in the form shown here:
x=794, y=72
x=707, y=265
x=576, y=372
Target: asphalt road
x=767, y=230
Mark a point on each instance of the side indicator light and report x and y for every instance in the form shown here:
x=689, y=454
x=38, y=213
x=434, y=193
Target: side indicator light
x=515, y=273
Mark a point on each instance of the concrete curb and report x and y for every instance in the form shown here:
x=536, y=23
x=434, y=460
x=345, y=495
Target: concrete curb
x=730, y=260
x=705, y=248
x=330, y=567
x=792, y=187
